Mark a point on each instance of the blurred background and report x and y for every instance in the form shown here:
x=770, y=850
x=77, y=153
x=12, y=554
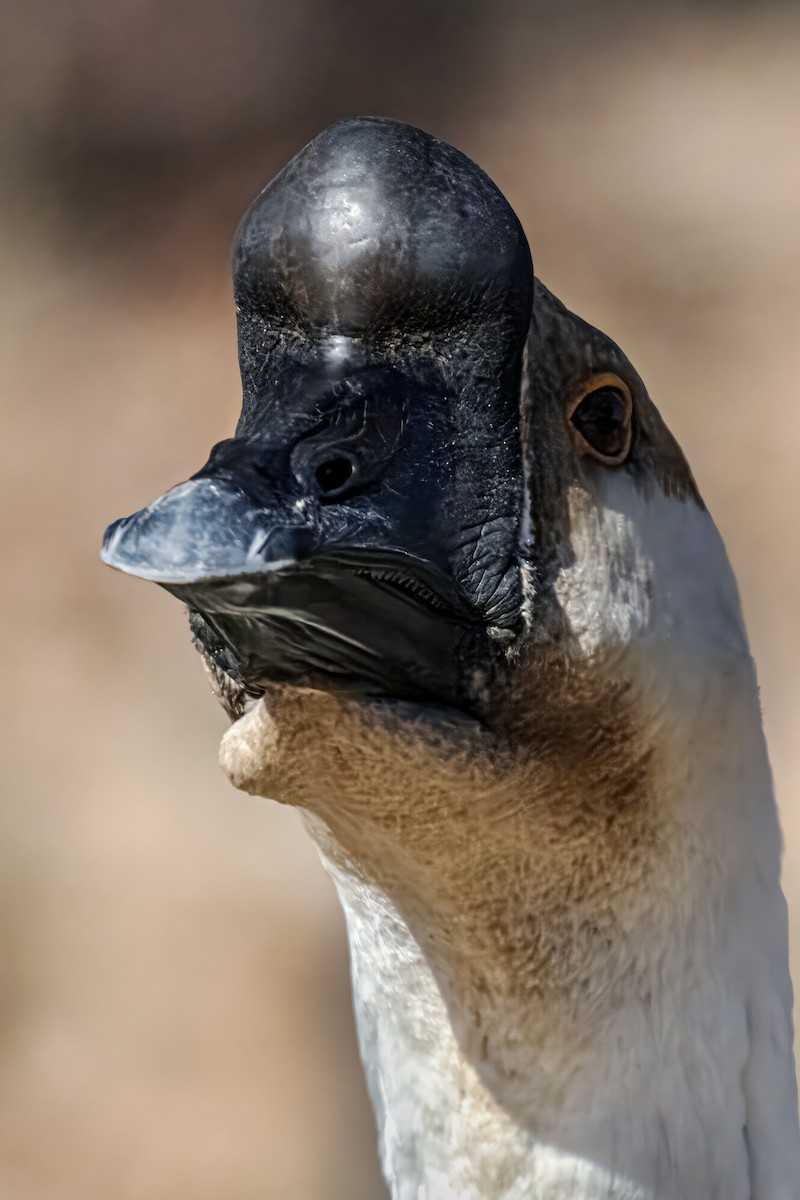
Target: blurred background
x=174, y=1006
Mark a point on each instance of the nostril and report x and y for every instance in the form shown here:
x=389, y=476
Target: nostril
x=334, y=475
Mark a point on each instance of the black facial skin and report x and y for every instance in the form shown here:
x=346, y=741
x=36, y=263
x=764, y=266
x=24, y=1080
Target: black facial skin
x=362, y=528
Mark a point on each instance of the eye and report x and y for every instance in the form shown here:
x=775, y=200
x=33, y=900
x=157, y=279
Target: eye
x=334, y=475
x=601, y=418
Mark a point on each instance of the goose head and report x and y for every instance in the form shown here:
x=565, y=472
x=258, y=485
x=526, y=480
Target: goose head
x=407, y=504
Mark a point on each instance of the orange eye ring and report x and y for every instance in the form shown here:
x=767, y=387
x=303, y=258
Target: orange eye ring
x=607, y=382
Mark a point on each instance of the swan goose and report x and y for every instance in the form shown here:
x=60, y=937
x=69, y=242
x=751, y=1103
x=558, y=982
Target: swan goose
x=551, y=824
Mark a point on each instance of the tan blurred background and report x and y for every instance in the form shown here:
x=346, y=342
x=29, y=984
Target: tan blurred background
x=174, y=1008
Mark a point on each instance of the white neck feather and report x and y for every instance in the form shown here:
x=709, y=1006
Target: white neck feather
x=684, y=1090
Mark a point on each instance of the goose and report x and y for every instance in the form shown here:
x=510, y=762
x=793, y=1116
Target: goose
x=458, y=591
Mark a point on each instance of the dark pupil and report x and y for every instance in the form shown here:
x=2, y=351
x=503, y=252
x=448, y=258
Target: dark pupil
x=333, y=474
x=602, y=418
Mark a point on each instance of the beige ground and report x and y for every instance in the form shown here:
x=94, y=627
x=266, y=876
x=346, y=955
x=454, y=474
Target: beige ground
x=174, y=1012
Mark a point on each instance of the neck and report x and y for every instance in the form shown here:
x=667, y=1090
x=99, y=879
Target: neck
x=569, y=942
x=589, y=997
